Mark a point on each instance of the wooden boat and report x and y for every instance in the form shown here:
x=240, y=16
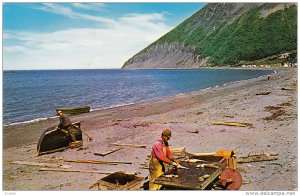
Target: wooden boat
x=53, y=140
x=76, y=110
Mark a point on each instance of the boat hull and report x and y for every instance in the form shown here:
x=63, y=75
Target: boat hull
x=53, y=140
x=75, y=111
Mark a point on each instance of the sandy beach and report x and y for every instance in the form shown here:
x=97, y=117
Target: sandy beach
x=190, y=117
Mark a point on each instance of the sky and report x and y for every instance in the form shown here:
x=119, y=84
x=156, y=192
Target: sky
x=84, y=35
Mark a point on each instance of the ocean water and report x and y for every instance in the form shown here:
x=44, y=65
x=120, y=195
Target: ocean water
x=30, y=95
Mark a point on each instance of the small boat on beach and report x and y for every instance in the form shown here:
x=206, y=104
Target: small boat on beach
x=75, y=111
x=53, y=140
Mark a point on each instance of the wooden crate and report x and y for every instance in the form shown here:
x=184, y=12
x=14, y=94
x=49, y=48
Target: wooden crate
x=120, y=181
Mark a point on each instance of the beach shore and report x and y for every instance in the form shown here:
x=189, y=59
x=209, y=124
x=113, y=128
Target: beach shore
x=190, y=117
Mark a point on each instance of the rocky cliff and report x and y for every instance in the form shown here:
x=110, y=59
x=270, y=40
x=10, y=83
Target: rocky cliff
x=223, y=34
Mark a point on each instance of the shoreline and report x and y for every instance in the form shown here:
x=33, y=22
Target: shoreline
x=150, y=99
x=44, y=123
x=184, y=113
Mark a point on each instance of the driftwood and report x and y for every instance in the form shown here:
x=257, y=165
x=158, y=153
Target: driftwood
x=74, y=170
x=286, y=89
x=41, y=164
x=142, y=124
x=145, y=167
x=84, y=171
x=130, y=145
x=108, y=152
x=119, y=120
x=228, y=116
x=253, y=153
x=263, y=93
x=257, y=158
x=237, y=124
x=196, y=131
x=99, y=162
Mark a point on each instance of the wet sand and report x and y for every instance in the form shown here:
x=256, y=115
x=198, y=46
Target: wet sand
x=274, y=119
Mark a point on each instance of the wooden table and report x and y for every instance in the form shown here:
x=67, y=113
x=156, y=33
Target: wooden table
x=188, y=179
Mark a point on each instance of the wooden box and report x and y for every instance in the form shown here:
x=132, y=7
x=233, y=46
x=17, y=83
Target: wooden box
x=120, y=181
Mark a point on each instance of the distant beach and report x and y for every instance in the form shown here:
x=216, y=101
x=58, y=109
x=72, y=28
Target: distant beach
x=190, y=116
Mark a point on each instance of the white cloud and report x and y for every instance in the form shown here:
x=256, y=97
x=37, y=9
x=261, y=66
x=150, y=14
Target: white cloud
x=89, y=6
x=66, y=11
x=57, y=9
x=87, y=48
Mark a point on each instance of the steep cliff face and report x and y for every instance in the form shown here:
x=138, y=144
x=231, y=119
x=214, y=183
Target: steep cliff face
x=165, y=55
x=223, y=34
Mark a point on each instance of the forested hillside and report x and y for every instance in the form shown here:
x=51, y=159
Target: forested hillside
x=224, y=34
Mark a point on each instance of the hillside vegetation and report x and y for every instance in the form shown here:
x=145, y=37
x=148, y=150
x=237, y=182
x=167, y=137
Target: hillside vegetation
x=227, y=34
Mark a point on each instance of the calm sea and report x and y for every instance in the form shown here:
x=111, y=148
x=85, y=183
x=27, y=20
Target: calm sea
x=29, y=95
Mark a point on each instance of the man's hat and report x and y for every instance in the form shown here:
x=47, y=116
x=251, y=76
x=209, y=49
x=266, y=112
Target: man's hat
x=167, y=132
x=59, y=111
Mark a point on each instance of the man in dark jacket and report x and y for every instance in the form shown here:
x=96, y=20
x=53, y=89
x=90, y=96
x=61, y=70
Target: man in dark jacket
x=65, y=125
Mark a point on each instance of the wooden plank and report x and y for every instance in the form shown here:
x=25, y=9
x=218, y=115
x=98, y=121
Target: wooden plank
x=256, y=158
x=108, y=152
x=262, y=152
x=130, y=145
x=119, y=120
x=144, y=167
x=202, y=154
x=99, y=162
x=85, y=171
x=75, y=170
x=263, y=93
x=238, y=124
x=41, y=164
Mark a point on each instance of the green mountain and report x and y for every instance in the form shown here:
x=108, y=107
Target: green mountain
x=222, y=34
